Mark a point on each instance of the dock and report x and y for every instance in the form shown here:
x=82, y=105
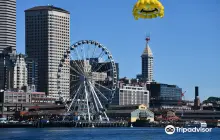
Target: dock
x=77, y=124
x=80, y=124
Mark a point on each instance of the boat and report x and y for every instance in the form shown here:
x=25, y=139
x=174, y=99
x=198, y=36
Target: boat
x=144, y=123
x=218, y=124
x=198, y=124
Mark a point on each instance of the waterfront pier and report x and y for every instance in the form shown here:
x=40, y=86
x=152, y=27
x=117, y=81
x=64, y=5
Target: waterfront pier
x=80, y=124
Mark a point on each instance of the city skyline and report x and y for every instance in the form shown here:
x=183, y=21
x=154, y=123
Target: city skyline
x=189, y=64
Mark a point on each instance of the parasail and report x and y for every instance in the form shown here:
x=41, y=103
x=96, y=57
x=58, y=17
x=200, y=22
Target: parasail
x=148, y=9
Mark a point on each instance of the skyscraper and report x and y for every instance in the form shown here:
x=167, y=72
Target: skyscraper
x=7, y=24
x=7, y=36
x=47, y=38
x=7, y=61
x=147, y=63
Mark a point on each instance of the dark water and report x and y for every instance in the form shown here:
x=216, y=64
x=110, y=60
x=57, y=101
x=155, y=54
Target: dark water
x=102, y=134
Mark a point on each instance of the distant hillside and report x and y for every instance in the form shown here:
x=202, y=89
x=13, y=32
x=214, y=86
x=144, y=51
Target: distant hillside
x=212, y=100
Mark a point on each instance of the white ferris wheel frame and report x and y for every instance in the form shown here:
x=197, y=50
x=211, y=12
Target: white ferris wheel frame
x=87, y=83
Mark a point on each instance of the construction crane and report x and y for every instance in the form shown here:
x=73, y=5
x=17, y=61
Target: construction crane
x=182, y=99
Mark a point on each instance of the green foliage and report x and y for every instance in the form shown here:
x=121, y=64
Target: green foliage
x=212, y=100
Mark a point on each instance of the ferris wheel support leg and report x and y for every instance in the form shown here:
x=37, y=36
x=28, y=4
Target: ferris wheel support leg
x=87, y=102
x=72, y=101
x=98, y=101
x=106, y=116
x=94, y=98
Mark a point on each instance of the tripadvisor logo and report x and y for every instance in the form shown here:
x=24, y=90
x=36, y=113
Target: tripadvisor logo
x=170, y=129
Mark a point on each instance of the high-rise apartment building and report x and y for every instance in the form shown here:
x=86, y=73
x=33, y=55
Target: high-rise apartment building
x=7, y=24
x=147, y=63
x=47, y=38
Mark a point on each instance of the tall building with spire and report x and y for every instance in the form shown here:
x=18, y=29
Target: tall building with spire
x=147, y=63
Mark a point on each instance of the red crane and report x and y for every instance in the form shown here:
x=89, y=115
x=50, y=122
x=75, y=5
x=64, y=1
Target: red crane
x=182, y=98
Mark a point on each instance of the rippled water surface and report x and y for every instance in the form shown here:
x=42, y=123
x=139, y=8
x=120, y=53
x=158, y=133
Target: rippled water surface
x=102, y=134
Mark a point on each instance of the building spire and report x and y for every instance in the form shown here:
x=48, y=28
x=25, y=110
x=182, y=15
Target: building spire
x=147, y=50
x=147, y=39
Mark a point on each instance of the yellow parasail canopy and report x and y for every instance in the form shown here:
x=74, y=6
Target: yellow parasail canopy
x=148, y=9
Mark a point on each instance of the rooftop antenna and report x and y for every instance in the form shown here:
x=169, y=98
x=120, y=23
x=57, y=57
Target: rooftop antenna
x=147, y=37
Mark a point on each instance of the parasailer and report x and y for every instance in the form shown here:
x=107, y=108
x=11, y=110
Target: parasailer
x=148, y=9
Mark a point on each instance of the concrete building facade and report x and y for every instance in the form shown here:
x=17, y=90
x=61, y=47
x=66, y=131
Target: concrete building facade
x=131, y=95
x=24, y=97
x=20, y=72
x=47, y=38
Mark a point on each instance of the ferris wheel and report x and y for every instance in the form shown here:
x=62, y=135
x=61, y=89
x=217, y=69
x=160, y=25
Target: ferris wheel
x=93, y=80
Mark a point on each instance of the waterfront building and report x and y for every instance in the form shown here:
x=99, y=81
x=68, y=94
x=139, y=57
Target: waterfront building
x=21, y=97
x=16, y=97
x=166, y=115
x=47, y=38
x=130, y=113
x=128, y=94
x=7, y=24
x=164, y=94
x=210, y=116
